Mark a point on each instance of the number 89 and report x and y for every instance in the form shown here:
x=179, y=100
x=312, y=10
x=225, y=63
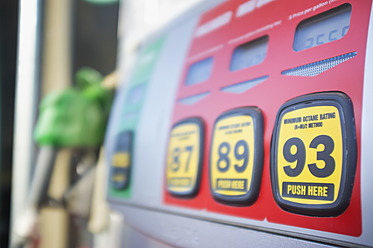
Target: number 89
x=241, y=152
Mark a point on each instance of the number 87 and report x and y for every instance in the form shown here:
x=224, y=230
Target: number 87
x=175, y=164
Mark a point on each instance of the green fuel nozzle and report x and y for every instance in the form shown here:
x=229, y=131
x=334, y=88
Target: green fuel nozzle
x=77, y=116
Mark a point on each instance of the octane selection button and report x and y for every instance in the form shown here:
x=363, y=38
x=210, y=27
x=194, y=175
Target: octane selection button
x=236, y=156
x=313, y=154
x=184, y=159
x=121, y=161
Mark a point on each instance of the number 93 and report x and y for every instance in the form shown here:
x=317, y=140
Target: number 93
x=300, y=156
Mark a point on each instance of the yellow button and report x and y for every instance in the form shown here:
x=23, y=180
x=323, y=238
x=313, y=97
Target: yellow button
x=121, y=160
x=184, y=157
x=236, y=156
x=314, y=154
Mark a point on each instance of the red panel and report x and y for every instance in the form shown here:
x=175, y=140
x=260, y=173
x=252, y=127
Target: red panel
x=272, y=93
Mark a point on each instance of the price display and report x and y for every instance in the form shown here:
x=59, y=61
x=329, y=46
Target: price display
x=121, y=161
x=136, y=94
x=323, y=28
x=199, y=71
x=313, y=155
x=185, y=157
x=236, y=156
x=249, y=54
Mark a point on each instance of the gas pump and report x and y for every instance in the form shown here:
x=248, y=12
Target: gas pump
x=247, y=122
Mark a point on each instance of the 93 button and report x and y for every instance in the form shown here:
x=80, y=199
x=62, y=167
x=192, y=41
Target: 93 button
x=313, y=155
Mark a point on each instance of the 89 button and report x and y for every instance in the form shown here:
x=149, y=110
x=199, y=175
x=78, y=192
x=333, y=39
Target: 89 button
x=236, y=156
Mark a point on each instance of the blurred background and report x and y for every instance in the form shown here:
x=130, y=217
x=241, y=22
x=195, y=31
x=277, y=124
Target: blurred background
x=43, y=44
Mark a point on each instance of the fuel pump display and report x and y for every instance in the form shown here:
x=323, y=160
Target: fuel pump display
x=323, y=28
x=311, y=171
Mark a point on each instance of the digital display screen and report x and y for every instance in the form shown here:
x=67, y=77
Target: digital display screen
x=323, y=28
x=135, y=94
x=199, y=71
x=249, y=54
